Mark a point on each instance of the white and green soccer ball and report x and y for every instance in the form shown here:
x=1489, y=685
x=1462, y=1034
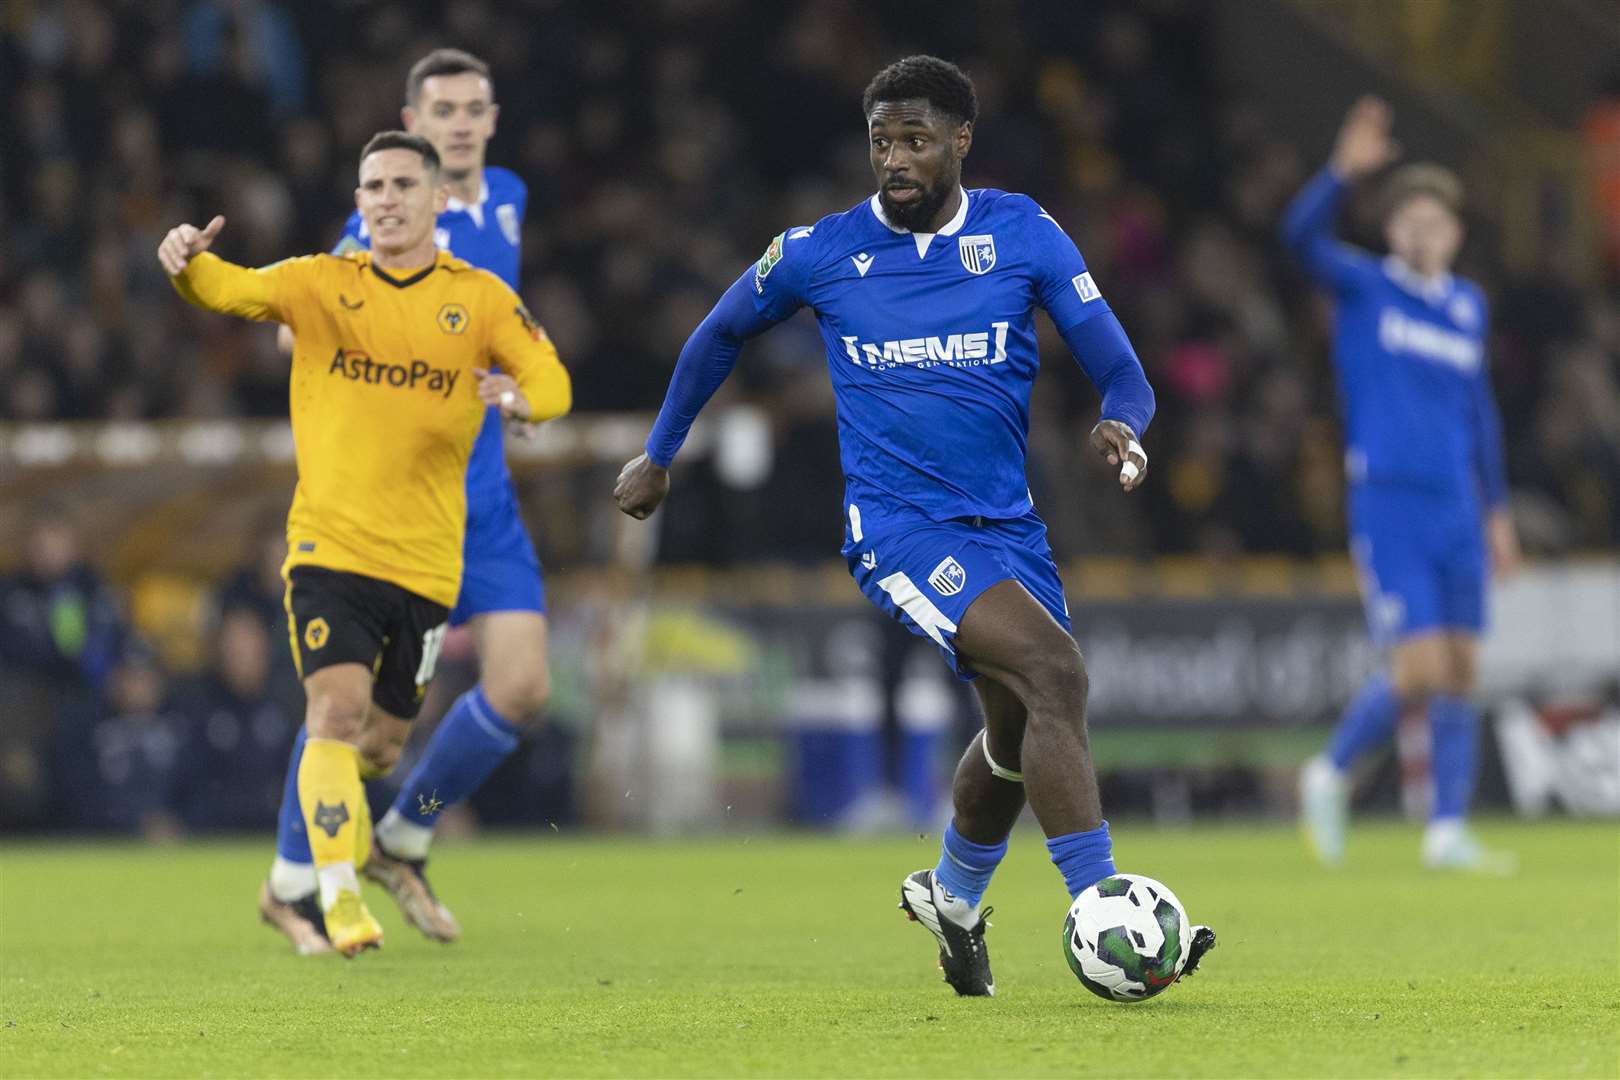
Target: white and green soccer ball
x=1126, y=938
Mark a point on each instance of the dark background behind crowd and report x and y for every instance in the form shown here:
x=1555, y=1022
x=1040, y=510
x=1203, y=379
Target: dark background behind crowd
x=664, y=143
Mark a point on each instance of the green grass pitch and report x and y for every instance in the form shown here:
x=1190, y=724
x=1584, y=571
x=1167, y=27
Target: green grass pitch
x=773, y=955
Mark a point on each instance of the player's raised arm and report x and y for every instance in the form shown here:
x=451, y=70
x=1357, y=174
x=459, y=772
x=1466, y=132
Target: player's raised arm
x=1363, y=147
x=1097, y=340
x=538, y=387
x=705, y=361
x=212, y=283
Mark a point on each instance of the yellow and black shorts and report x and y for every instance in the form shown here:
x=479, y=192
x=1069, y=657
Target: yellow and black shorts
x=335, y=617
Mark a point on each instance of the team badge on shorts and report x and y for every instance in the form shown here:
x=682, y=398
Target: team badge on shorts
x=978, y=253
x=316, y=632
x=948, y=577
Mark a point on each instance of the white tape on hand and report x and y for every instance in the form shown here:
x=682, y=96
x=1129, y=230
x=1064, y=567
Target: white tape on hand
x=507, y=399
x=1129, y=470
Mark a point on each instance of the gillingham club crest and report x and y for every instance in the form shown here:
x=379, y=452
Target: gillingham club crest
x=948, y=577
x=978, y=253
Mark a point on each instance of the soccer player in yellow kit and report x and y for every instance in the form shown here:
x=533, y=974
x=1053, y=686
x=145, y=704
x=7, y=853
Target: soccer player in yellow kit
x=390, y=381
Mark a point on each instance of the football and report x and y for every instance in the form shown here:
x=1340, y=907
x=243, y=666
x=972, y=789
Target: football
x=1126, y=938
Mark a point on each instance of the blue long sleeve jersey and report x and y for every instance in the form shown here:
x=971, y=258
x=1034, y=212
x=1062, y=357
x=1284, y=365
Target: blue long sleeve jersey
x=1410, y=358
x=930, y=343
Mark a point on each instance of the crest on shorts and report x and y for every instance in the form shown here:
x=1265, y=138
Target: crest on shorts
x=316, y=632
x=978, y=253
x=948, y=577
x=453, y=319
x=329, y=819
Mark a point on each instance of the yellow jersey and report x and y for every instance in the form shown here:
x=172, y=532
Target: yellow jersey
x=384, y=402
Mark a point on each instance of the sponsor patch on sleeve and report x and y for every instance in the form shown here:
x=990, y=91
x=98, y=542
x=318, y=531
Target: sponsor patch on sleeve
x=534, y=328
x=772, y=256
x=1086, y=287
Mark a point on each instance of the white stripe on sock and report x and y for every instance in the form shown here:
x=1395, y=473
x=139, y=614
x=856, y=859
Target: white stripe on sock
x=404, y=839
x=339, y=877
x=290, y=880
x=488, y=724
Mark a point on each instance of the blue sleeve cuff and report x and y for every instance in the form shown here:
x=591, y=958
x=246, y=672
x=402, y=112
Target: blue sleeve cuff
x=1106, y=356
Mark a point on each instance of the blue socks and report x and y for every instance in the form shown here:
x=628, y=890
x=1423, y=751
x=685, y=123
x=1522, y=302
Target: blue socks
x=292, y=836
x=1451, y=755
x=1083, y=858
x=1368, y=722
x=470, y=742
x=965, y=867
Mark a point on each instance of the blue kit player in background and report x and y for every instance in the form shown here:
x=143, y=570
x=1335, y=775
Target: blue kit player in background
x=449, y=101
x=1427, y=484
x=926, y=295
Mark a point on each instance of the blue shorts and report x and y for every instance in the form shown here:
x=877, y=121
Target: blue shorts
x=1421, y=560
x=500, y=571
x=926, y=573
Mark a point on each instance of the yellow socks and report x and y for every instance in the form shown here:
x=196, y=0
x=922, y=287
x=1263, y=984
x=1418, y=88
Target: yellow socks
x=362, y=833
x=333, y=802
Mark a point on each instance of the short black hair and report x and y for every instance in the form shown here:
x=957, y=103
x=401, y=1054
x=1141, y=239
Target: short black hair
x=941, y=83
x=444, y=62
x=402, y=140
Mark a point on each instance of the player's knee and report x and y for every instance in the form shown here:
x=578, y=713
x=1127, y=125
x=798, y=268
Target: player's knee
x=337, y=713
x=519, y=695
x=1055, y=683
x=378, y=757
x=1420, y=672
x=1417, y=686
x=1464, y=671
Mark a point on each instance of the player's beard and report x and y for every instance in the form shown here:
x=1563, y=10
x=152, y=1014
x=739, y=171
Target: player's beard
x=917, y=216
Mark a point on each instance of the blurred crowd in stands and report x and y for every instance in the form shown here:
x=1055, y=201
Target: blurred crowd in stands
x=90, y=709
x=101, y=734
x=664, y=143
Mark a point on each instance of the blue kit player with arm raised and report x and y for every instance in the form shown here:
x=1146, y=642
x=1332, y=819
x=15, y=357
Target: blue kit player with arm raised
x=1427, y=484
x=925, y=295
x=449, y=100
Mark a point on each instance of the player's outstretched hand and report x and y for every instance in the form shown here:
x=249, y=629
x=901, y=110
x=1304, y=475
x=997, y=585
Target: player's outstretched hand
x=501, y=391
x=185, y=242
x=1364, y=145
x=1116, y=442
x=641, y=486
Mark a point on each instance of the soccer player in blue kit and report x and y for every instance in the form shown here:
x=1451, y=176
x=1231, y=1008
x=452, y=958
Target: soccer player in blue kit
x=1427, y=483
x=449, y=101
x=925, y=295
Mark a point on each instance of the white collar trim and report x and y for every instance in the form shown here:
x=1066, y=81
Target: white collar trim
x=950, y=228
x=475, y=209
x=1432, y=289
